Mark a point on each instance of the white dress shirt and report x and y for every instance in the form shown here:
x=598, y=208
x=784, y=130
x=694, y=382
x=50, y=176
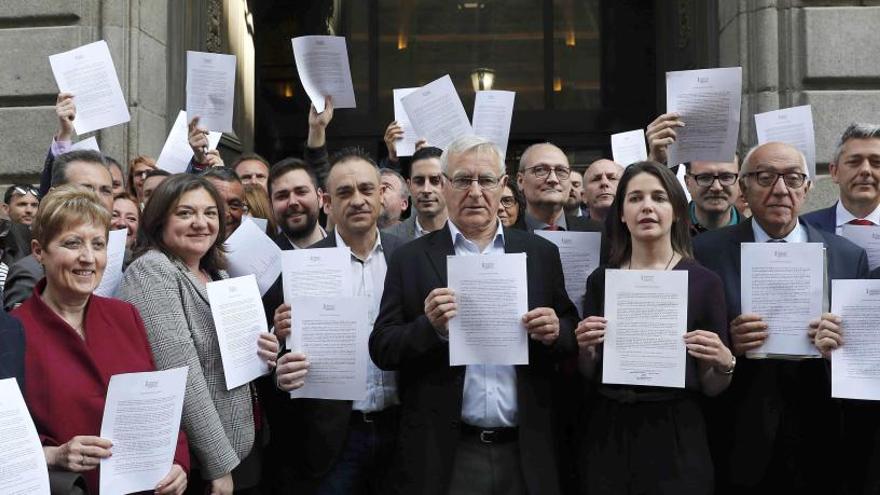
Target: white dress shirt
x=844, y=217
x=368, y=279
x=489, y=396
x=797, y=234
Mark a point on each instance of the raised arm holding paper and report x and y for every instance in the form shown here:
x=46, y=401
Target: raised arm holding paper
x=412, y=331
x=664, y=329
x=774, y=405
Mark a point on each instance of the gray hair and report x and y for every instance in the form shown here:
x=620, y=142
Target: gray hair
x=404, y=191
x=856, y=130
x=472, y=144
x=747, y=161
x=62, y=162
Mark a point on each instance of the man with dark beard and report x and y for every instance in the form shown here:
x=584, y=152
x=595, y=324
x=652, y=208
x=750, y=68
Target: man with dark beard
x=296, y=202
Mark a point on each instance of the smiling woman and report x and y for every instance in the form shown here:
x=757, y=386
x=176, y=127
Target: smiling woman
x=76, y=340
x=179, y=251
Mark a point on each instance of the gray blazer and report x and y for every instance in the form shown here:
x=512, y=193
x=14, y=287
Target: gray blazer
x=176, y=314
x=405, y=230
x=23, y=275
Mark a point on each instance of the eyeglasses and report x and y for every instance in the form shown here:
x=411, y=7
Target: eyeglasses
x=463, y=183
x=508, y=201
x=764, y=178
x=706, y=180
x=236, y=206
x=543, y=171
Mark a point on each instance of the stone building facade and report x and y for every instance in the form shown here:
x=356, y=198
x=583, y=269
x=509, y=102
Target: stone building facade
x=793, y=52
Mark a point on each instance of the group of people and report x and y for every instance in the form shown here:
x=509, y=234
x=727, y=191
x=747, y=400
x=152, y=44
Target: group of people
x=739, y=425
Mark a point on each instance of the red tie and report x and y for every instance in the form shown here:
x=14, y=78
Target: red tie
x=860, y=221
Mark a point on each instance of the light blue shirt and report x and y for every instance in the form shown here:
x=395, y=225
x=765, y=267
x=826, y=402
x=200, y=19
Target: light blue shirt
x=797, y=234
x=368, y=279
x=489, y=396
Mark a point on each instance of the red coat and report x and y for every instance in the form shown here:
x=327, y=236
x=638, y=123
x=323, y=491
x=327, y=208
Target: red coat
x=66, y=377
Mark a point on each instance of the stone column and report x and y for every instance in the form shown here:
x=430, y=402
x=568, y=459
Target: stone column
x=799, y=52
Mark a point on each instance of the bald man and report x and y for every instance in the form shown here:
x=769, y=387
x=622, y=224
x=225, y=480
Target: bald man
x=600, y=186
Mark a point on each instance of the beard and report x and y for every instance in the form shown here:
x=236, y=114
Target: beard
x=300, y=231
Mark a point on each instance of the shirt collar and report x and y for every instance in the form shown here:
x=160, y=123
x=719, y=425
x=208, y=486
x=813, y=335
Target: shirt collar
x=377, y=247
x=533, y=223
x=844, y=216
x=458, y=237
x=419, y=230
x=797, y=234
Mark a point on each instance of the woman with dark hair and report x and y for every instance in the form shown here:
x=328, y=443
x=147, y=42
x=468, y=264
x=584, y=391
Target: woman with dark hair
x=646, y=439
x=180, y=250
x=511, y=205
x=75, y=341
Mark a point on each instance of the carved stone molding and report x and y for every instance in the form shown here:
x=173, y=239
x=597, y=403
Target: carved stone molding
x=213, y=39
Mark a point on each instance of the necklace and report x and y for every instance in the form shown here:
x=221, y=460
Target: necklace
x=629, y=265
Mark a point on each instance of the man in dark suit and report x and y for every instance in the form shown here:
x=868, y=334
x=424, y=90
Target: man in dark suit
x=11, y=348
x=777, y=427
x=856, y=170
x=472, y=429
x=344, y=446
x=425, y=187
x=544, y=178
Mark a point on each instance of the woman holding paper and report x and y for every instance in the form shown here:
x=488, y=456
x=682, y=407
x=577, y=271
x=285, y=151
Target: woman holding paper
x=180, y=250
x=649, y=439
x=75, y=341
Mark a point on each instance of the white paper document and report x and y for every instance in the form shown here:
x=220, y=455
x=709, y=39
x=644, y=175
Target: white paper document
x=251, y=252
x=210, y=89
x=113, y=270
x=580, y=253
x=629, y=147
x=237, y=310
x=333, y=333
x=88, y=73
x=319, y=272
x=436, y=113
x=176, y=152
x=86, y=144
x=142, y=419
x=784, y=284
x=855, y=366
x=407, y=145
x=493, y=112
x=647, y=319
x=868, y=238
x=492, y=297
x=23, y=465
x=792, y=126
x=708, y=101
x=322, y=64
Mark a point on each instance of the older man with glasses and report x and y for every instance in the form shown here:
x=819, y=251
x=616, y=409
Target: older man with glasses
x=544, y=178
x=713, y=187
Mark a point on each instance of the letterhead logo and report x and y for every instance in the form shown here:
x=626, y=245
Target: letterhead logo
x=702, y=80
x=647, y=278
x=487, y=265
x=872, y=292
x=780, y=254
x=151, y=384
x=329, y=307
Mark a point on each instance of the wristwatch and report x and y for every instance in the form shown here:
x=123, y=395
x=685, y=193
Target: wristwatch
x=728, y=371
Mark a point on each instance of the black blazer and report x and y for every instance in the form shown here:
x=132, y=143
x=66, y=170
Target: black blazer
x=11, y=349
x=767, y=392
x=431, y=390
x=321, y=426
x=824, y=219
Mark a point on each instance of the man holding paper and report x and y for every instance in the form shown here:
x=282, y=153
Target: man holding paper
x=768, y=438
x=856, y=170
x=457, y=421
x=337, y=434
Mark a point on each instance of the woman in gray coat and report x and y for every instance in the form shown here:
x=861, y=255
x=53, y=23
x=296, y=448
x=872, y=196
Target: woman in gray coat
x=180, y=249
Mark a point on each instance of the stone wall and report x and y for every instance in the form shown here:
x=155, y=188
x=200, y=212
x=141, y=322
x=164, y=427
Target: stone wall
x=798, y=52
x=30, y=31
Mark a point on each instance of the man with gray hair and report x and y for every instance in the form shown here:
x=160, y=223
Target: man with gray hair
x=476, y=429
x=855, y=168
x=776, y=425
x=84, y=168
x=395, y=198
